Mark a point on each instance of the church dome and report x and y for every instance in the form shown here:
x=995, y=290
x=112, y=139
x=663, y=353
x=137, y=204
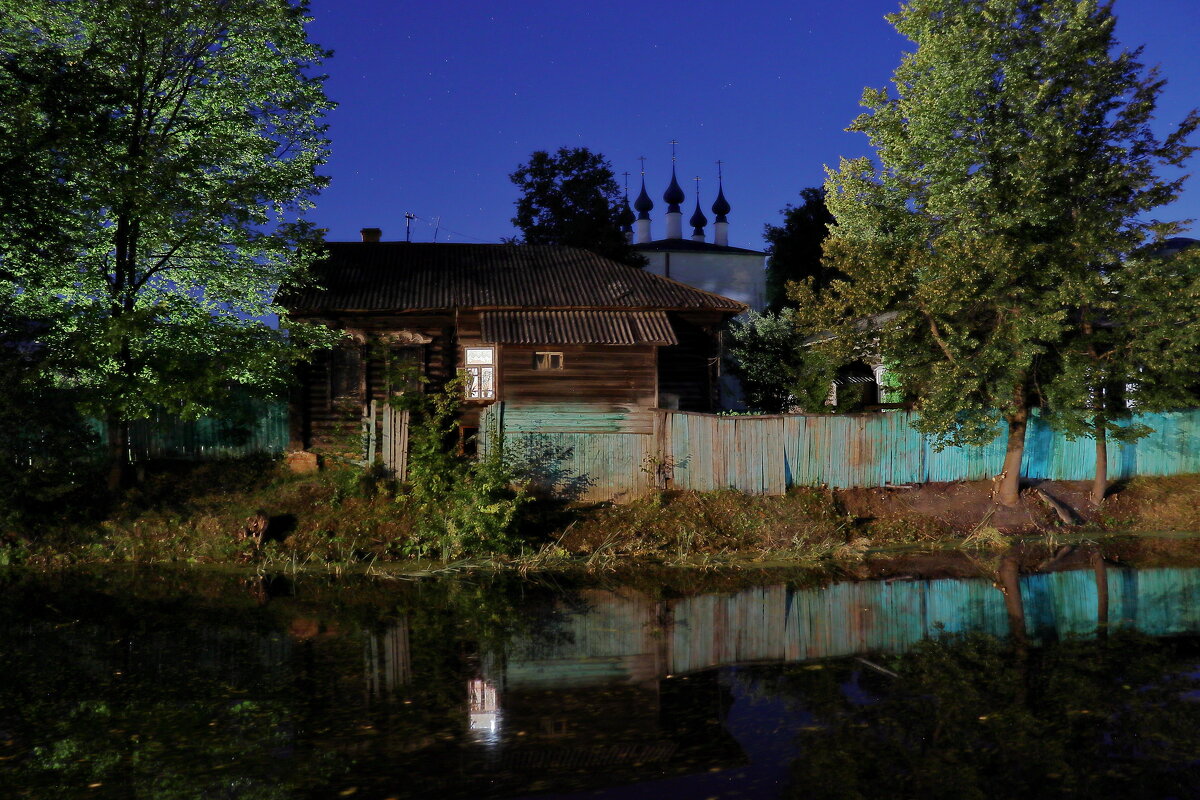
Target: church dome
x=643, y=204
x=720, y=206
x=674, y=194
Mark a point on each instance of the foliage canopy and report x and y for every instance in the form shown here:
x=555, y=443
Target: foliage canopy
x=778, y=372
x=1016, y=164
x=157, y=156
x=571, y=198
x=794, y=248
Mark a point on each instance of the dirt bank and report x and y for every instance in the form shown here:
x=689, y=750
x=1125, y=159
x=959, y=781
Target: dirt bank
x=1159, y=504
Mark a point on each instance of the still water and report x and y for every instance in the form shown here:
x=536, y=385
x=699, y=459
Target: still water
x=987, y=679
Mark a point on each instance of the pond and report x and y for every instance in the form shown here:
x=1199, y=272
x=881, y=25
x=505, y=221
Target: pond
x=986, y=676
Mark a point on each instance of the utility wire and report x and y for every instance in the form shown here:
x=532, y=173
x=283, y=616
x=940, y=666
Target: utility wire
x=439, y=226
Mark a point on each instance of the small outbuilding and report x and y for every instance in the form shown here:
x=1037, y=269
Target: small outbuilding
x=522, y=323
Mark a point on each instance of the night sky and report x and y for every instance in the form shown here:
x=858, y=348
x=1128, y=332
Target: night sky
x=440, y=101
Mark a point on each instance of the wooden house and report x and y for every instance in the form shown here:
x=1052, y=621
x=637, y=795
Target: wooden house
x=523, y=323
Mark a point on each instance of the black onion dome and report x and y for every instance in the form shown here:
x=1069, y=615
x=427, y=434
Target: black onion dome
x=698, y=220
x=674, y=195
x=643, y=204
x=625, y=215
x=720, y=206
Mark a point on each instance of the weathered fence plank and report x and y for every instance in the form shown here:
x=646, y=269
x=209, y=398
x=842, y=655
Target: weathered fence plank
x=394, y=441
x=618, y=452
x=260, y=427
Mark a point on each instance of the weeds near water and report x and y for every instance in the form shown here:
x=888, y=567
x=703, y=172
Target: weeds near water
x=985, y=537
x=853, y=550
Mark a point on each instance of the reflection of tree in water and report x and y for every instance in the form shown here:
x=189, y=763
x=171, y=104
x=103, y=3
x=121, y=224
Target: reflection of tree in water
x=970, y=717
x=196, y=689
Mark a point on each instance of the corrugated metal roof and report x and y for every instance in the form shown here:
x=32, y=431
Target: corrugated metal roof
x=397, y=276
x=577, y=327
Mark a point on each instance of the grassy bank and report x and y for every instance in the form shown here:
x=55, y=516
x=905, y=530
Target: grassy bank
x=206, y=514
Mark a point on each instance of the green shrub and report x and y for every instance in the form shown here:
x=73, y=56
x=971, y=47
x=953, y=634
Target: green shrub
x=458, y=505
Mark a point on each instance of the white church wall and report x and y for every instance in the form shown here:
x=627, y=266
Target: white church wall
x=738, y=276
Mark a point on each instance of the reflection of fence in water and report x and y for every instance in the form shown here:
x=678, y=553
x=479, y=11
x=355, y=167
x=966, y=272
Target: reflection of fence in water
x=627, y=637
x=387, y=660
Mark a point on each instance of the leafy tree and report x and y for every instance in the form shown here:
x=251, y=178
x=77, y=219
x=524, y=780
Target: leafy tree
x=794, y=248
x=572, y=198
x=777, y=371
x=161, y=217
x=1132, y=349
x=1016, y=160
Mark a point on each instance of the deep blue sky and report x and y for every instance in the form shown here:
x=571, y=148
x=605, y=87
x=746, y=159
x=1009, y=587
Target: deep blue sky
x=440, y=101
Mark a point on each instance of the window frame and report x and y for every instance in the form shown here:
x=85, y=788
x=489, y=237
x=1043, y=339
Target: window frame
x=550, y=355
x=347, y=372
x=479, y=374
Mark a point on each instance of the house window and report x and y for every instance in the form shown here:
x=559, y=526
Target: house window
x=480, y=372
x=547, y=360
x=345, y=372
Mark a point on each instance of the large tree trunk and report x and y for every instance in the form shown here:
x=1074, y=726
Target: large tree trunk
x=1100, y=480
x=118, y=454
x=1009, y=490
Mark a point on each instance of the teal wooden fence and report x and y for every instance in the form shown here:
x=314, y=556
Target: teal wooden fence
x=621, y=452
x=253, y=427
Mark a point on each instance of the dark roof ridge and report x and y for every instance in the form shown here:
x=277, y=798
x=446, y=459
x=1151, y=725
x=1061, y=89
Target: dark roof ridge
x=403, y=276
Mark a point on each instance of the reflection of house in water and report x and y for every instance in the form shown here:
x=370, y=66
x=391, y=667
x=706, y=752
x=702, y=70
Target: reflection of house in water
x=589, y=706
x=597, y=688
x=387, y=661
x=616, y=732
x=483, y=710
x=626, y=637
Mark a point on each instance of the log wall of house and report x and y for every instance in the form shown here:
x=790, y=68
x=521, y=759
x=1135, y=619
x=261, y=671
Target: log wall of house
x=330, y=423
x=687, y=370
x=590, y=373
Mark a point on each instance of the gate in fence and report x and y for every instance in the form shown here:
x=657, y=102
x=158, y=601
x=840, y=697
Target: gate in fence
x=385, y=437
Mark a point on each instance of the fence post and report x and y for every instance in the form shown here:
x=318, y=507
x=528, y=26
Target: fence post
x=663, y=472
x=387, y=439
x=400, y=444
x=368, y=422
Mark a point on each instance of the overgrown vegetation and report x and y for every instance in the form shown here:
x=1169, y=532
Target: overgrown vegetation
x=678, y=526
x=455, y=514
x=457, y=505
x=778, y=370
x=48, y=461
